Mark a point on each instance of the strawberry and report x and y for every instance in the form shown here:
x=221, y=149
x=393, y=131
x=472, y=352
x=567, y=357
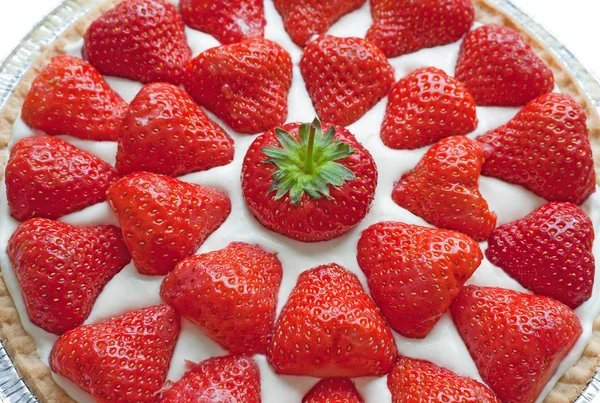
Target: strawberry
x=48, y=177
x=70, y=96
x=227, y=379
x=443, y=188
x=142, y=40
x=415, y=272
x=500, y=69
x=302, y=19
x=229, y=21
x=426, y=106
x=548, y=252
x=333, y=390
x=62, y=269
x=330, y=327
x=218, y=79
x=164, y=220
x=330, y=177
x=166, y=132
x=345, y=77
x=240, y=317
x=418, y=381
x=516, y=340
x=405, y=26
x=544, y=148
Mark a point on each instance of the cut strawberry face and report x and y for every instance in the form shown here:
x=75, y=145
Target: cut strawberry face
x=415, y=272
x=443, y=188
x=544, y=148
x=333, y=390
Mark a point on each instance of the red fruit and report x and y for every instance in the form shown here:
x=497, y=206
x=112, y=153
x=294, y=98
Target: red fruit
x=166, y=132
x=327, y=197
x=415, y=272
x=230, y=293
x=330, y=327
x=545, y=149
x=443, y=188
x=345, y=77
x=229, y=21
x=165, y=220
x=333, y=390
x=405, y=26
x=62, y=269
x=302, y=19
x=48, y=177
x=516, y=340
x=218, y=79
x=124, y=358
x=548, y=252
x=500, y=69
x=424, y=107
x=142, y=40
x=228, y=379
x=418, y=381
x=70, y=96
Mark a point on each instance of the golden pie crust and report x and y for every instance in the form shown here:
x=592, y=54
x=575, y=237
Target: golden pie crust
x=21, y=346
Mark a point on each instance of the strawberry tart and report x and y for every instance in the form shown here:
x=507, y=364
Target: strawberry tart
x=344, y=201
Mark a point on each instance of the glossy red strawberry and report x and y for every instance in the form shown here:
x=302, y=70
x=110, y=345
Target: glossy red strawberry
x=70, y=96
x=302, y=19
x=218, y=79
x=443, y=188
x=330, y=327
x=166, y=132
x=239, y=283
x=345, y=77
x=333, y=390
x=500, y=69
x=165, y=220
x=48, y=177
x=548, y=252
x=516, y=340
x=227, y=379
x=124, y=358
x=545, y=148
x=405, y=26
x=62, y=269
x=308, y=183
x=229, y=21
x=418, y=381
x=142, y=40
x=415, y=272
x=426, y=106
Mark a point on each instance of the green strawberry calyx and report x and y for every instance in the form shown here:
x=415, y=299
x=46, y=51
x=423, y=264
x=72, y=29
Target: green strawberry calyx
x=308, y=164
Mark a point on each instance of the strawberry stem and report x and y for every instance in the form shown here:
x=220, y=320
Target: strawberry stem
x=308, y=164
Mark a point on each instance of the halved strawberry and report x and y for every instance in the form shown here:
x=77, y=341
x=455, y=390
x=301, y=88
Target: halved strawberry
x=70, y=96
x=500, y=69
x=405, y=26
x=62, y=269
x=246, y=84
x=330, y=327
x=415, y=272
x=308, y=183
x=333, y=390
x=142, y=40
x=426, y=106
x=545, y=148
x=164, y=220
x=166, y=132
x=229, y=21
x=516, y=340
x=443, y=188
x=48, y=177
x=548, y=252
x=124, y=358
x=241, y=317
x=345, y=77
